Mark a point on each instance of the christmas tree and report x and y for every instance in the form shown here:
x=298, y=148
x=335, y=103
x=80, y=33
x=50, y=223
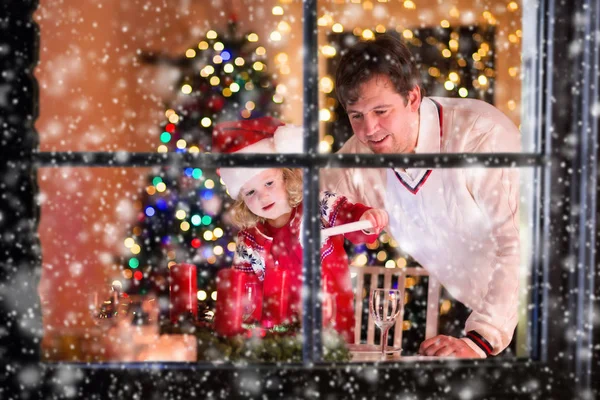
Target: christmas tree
x=182, y=215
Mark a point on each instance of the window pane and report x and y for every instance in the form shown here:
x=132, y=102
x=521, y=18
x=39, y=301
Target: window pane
x=470, y=230
x=158, y=77
x=461, y=50
x=147, y=265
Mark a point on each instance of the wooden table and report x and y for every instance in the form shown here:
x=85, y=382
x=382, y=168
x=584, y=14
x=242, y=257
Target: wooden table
x=371, y=353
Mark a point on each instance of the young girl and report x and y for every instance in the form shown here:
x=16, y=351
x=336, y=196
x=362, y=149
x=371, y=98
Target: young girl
x=268, y=209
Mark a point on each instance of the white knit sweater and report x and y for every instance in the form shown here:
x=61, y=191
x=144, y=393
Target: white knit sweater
x=462, y=225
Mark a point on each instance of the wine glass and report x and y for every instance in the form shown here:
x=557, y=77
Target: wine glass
x=385, y=305
x=249, y=301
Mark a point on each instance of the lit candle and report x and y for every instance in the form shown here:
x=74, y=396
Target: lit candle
x=183, y=291
x=232, y=298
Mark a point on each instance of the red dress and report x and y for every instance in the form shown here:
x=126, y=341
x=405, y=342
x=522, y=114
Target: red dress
x=265, y=248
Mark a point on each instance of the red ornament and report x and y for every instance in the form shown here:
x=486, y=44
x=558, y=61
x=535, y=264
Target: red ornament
x=216, y=103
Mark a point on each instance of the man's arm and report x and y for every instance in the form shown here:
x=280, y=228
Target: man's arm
x=339, y=181
x=491, y=325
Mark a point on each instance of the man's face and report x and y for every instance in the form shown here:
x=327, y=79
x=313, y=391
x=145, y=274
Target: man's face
x=383, y=119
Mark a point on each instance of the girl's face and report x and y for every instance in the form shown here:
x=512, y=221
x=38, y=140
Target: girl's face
x=266, y=196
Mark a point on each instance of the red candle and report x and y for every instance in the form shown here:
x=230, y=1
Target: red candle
x=232, y=295
x=183, y=291
x=275, y=300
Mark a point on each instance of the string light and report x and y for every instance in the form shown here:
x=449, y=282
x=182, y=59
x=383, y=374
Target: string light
x=326, y=84
x=201, y=295
x=190, y=53
x=410, y=5
x=324, y=114
x=337, y=28
x=211, y=34
x=228, y=68
x=368, y=34
x=284, y=27
x=328, y=51
x=324, y=147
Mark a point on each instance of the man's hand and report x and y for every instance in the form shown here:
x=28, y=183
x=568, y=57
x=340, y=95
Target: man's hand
x=377, y=217
x=447, y=346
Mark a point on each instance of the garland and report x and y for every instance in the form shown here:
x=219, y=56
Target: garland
x=262, y=345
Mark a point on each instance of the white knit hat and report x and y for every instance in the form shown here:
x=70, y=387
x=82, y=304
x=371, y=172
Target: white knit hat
x=261, y=135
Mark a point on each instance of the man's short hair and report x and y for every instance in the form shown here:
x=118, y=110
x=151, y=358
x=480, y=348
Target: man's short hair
x=385, y=55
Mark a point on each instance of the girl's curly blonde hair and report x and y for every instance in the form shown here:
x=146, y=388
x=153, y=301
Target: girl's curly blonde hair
x=243, y=218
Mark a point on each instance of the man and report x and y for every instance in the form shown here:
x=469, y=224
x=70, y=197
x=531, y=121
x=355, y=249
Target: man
x=461, y=225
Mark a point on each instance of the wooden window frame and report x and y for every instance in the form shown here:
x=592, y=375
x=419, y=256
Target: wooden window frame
x=562, y=86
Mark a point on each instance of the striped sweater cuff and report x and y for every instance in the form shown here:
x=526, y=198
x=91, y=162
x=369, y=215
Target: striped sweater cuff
x=481, y=342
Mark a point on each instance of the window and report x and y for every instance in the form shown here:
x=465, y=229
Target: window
x=561, y=218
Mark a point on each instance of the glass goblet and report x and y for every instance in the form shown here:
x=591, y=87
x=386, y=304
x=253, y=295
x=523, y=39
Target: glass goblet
x=385, y=307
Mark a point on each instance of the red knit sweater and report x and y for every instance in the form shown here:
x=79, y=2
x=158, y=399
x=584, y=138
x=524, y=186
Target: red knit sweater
x=263, y=248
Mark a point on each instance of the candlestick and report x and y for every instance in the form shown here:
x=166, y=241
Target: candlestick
x=183, y=292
